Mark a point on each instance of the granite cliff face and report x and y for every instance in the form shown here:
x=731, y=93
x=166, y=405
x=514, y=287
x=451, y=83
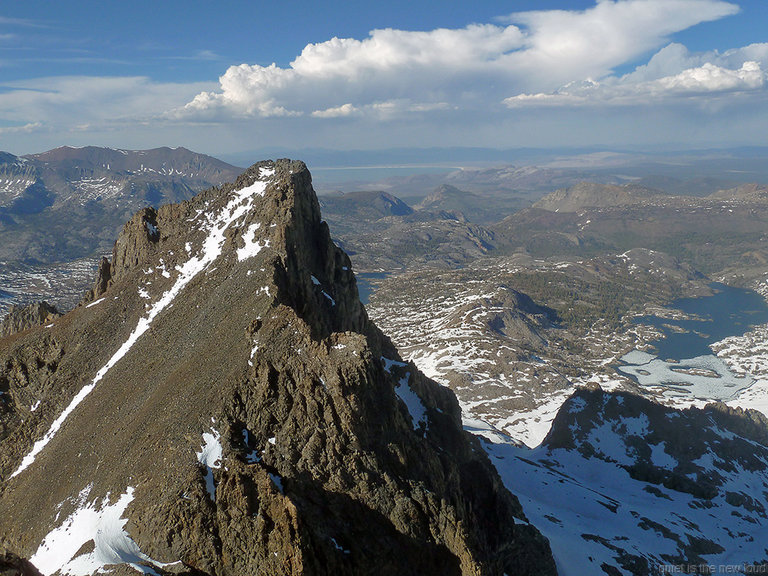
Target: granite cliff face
x=222, y=404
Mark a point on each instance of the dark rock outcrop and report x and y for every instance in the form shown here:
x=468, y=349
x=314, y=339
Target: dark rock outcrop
x=691, y=440
x=227, y=401
x=13, y=565
x=103, y=279
x=21, y=318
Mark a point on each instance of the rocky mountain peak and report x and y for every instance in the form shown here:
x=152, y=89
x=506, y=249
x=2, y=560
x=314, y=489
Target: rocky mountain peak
x=21, y=318
x=223, y=405
x=623, y=485
x=591, y=416
x=703, y=469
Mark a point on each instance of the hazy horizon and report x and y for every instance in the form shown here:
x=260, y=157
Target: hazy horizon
x=611, y=74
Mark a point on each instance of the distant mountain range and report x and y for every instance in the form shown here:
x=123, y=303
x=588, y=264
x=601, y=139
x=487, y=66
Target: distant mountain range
x=530, y=173
x=69, y=203
x=221, y=402
x=61, y=210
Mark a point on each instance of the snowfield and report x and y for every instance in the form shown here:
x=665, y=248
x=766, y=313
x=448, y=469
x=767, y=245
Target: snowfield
x=100, y=523
x=612, y=495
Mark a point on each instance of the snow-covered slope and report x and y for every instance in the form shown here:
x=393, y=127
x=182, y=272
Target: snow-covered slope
x=625, y=486
x=511, y=361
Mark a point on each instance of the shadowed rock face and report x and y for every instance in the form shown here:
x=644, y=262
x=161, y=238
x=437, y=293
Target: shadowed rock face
x=12, y=565
x=712, y=460
x=734, y=439
x=622, y=485
x=223, y=405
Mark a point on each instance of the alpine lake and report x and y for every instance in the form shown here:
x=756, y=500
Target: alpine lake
x=682, y=363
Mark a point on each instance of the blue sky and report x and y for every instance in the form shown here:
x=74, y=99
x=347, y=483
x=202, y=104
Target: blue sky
x=236, y=76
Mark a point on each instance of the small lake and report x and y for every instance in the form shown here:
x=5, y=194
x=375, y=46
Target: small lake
x=364, y=286
x=683, y=363
x=728, y=312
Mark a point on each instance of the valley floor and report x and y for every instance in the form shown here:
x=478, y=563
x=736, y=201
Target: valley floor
x=514, y=373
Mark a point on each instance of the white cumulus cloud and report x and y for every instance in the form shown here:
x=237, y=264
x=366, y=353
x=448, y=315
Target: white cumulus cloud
x=25, y=129
x=336, y=112
x=565, y=46
x=56, y=100
x=388, y=65
x=468, y=68
x=531, y=78
x=672, y=73
x=712, y=78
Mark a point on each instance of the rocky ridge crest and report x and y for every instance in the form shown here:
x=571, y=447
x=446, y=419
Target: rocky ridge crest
x=21, y=318
x=593, y=195
x=224, y=401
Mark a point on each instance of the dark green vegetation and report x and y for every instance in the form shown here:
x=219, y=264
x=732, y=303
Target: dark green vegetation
x=579, y=301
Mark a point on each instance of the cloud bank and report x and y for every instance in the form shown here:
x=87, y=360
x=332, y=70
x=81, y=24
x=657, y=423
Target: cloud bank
x=481, y=65
x=56, y=101
x=541, y=78
x=672, y=75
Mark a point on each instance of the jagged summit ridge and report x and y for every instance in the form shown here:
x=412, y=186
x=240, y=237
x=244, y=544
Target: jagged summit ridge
x=223, y=405
x=214, y=227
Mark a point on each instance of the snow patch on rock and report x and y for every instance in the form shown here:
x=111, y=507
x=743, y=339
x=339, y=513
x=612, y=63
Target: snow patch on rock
x=415, y=406
x=210, y=457
x=103, y=525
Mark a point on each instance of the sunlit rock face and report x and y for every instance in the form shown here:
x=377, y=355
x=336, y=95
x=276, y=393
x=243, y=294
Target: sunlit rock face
x=221, y=404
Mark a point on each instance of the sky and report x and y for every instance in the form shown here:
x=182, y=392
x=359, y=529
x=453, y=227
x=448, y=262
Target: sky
x=229, y=77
